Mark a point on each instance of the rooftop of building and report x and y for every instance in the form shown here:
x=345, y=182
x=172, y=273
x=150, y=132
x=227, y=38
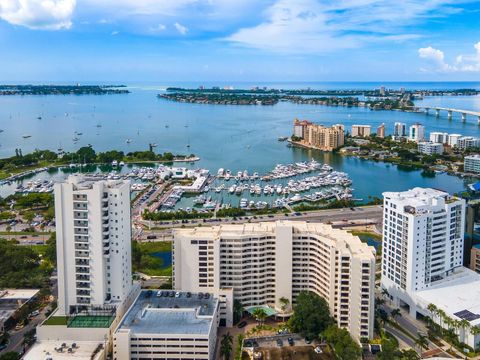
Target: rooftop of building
x=418, y=196
x=83, y=350
x=13, y=299
x=458, y=295
x=85, y=182
x=473, y=156
x=155, y=312
x=352, y=242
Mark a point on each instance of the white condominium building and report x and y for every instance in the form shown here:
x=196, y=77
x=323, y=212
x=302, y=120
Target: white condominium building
x=400, y=129
x=453, y=139
x=439, y=137
x=93, y=243
x=417, y=133
x=468, y=142
x=264, y=262
x=422, y=240
x=471, y=164
x=429, y=148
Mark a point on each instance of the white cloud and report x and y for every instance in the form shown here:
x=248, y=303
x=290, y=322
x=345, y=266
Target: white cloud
x=158, y=28
x=312, y=26
x=38, y=14
x=115, y=33
x=463, y=63
x=180, y=28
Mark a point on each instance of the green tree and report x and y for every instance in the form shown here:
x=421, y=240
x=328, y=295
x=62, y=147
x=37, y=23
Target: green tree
x=11, y=355
x=86, y=154
x=284, y=303
x=259, y=314
x=344, y=346
x=226, y=346
x=311, y=315
x=51, y=250
x=422, y=342
x=237, y=310
x=395, y=313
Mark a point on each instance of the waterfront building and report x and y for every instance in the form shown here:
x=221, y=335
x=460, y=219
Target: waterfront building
x=318, y=136
x=471, y=164
x=263, y=262
x=381, y=131
x=468, y=142
x=472, y=229
x=439, y=137
x=429, y=148
x=300, y=128
x=361, y=130
x=161, y=326
x=417, y=133
x=93, y=243
x=399, y=130
x=422, y=257
x=475, y=258
x=453, y=139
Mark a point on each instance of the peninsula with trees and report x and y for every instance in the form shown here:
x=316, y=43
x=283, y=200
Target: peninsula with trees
x=63, y=89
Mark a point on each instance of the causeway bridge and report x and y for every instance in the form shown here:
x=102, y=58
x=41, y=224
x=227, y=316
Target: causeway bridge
x=450, y=112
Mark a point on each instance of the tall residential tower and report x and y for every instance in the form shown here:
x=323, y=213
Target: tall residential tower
x=93, y=243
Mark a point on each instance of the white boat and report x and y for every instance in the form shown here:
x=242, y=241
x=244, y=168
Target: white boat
x=231, y=189
x=220, y=172
x=26, y=136
x=122, y=163
x=114, y=163
x=128, y=141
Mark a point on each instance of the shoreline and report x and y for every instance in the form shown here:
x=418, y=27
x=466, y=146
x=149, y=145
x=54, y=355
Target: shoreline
x=39, y=169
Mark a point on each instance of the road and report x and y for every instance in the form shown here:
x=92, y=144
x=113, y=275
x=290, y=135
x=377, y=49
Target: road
x=342, y=217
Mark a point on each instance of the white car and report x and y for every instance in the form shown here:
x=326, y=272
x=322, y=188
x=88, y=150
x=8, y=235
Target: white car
x=318, y=350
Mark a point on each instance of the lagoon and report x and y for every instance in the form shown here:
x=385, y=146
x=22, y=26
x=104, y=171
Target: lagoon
x=231, y=137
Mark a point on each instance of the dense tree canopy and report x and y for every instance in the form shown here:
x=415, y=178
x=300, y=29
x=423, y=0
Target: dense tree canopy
x=344, y=346
x=311, y=315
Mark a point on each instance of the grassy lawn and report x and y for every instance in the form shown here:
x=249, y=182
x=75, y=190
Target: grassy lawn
x=56, y=320
x=39, y=249
x=152, y=263
x=23, y=233
x=370, y=234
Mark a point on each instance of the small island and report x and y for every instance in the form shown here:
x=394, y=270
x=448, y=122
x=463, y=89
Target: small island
x=63, y=89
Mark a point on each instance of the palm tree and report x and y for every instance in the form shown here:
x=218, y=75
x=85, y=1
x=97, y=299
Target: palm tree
x=395, y=313
x=259, y=314
x=284, y=303
x=409, y=354
x=379, y=301
x=421, y=342
x=451, y=337
x=464, y=324
x=226, y=346
x=237, y=310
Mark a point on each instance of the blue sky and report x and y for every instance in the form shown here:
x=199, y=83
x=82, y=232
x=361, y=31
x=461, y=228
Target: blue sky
x=233, y=40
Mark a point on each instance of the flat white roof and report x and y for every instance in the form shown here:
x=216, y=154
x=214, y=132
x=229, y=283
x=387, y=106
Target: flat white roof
x=458, y=292
x=18, y=294
x=46, y=349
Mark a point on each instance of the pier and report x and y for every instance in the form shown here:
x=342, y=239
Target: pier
x=450, y=112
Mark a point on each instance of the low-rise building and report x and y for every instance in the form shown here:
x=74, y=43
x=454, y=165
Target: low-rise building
x=468, y=142
x=264, y=262
x=12, y=300
x=475, y=258
x=167, y=325
x=471, y=164
x=429, y=148
x=361, y=130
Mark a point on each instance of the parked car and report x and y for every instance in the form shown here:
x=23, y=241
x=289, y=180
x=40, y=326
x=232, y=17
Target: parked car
x=290, y=341
x=34, y=313
x=279, y=342
x=242, y=324
x=318, y=350
x=151, y=237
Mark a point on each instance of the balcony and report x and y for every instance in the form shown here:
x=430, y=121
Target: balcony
x=81, y=262
x=105, y=205
x=106, y=253
x=83, y=285
x=82, y=254
x=83, y=293
x=105, y=215
x=82, y=270
x=83, y=277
